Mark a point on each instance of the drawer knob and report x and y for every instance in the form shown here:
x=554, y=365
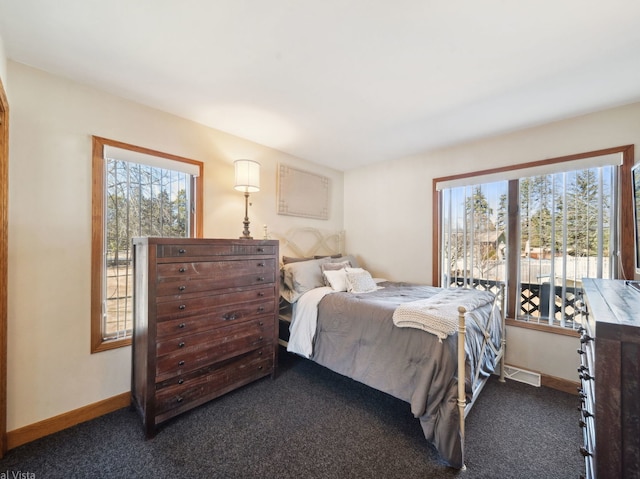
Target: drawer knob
x=260, y=309
x=182, y=270
x=261, y=293
x=260, y=278
x=181, y=344
x=229, y=317
x=260, y=265
x=181, y=325
x=180, y=381
x=181, y=363
x=182, y=288
x=179, y=399
x=182, y=306
x=259, y=367
x=584, y=452
x=261, y=338
x=182, y=251
x=260, y=250
x=585, y=413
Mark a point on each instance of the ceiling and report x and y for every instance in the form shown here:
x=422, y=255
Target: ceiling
x=342, y=83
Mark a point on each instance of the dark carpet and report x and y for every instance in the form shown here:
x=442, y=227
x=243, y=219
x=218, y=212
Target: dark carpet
x=313, y=423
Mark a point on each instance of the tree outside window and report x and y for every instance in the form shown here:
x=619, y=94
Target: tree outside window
x=137, y=192
x=563, y=225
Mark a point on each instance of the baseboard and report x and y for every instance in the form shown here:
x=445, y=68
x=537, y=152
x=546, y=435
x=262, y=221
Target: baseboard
x=560, y=384
x=29, y=433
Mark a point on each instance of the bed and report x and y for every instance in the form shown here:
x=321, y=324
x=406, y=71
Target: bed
x=370, y=330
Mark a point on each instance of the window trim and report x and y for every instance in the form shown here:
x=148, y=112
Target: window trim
x=626, y=222
x=97, y=230
x=4, y=260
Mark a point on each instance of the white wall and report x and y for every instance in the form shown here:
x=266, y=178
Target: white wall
x=50, y=369
x=391, y=202
x=3, y=63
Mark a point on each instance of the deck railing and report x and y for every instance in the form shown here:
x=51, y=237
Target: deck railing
x=534, y=300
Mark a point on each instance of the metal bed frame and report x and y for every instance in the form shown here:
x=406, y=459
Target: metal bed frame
x=308, y=242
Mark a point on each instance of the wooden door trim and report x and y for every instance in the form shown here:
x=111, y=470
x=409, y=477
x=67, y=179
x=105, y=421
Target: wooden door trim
x=4, y=257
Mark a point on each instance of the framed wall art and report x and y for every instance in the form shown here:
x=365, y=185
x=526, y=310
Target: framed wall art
x=302, y=193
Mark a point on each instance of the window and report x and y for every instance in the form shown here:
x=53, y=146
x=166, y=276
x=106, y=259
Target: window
x=136, y=192
x=537, y=229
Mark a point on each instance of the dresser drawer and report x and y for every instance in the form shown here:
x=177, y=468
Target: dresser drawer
x=214, y=317
x=168, y=290
x=200, y=250
x=176, y=356
x=218, y=310
x=183, y=277
x=213, y=381
x=187, y=376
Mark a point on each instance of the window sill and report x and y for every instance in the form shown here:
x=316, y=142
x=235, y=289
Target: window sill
x=111, y=344
x=542, y=327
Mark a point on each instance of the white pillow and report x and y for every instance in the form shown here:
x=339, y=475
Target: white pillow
x=359, y=281
x=337, y=279
x=332, y=267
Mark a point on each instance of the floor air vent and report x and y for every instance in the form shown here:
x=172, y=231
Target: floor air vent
x=522, y=375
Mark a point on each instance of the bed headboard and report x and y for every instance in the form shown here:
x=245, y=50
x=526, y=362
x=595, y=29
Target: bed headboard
x=306, y=242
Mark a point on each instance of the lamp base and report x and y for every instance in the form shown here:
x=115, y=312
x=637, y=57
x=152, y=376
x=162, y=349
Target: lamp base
x=246, y=234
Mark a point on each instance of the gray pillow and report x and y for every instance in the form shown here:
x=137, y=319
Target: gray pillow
x=304, y=275
x=349, y=257
x=291, y=259
x=290, y=295
x=331, y=266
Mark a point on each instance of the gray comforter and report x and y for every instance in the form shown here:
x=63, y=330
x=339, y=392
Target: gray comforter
x=356, y=337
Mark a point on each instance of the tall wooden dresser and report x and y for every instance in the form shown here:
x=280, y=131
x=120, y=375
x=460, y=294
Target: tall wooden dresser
x=610, y=375
x=205, y=321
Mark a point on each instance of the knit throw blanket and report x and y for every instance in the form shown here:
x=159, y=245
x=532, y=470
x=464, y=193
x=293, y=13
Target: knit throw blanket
x=439, y=314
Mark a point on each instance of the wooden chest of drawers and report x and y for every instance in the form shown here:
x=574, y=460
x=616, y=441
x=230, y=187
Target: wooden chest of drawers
x=611, y=380
x=205, y=321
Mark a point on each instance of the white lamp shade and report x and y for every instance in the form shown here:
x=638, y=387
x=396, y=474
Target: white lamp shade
x=247, y=175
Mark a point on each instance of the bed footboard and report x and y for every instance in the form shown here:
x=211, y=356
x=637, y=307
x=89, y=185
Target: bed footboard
x=463, y=406
x=462, y=395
